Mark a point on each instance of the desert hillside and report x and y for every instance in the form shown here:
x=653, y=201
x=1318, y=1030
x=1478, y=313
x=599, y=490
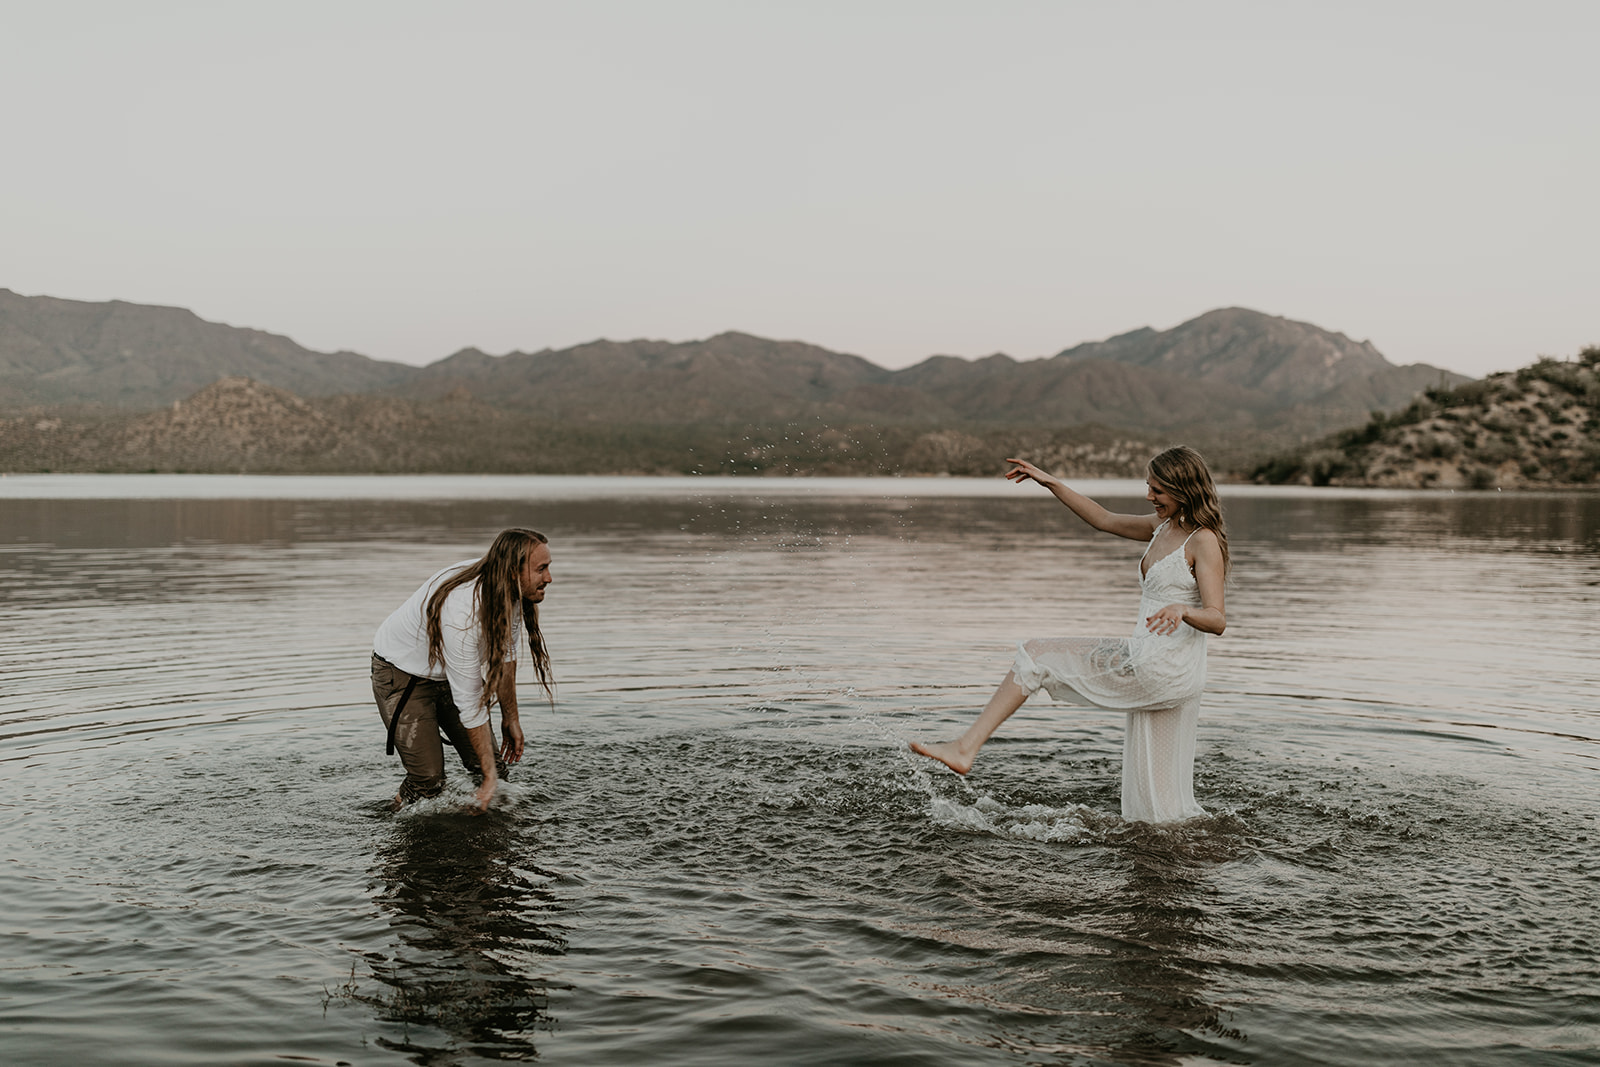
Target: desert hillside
x=138, y=356
x=242, y=426
x=1538, y=426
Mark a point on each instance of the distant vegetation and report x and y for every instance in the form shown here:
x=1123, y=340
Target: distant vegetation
x=126, y=387
x=238, y=425
x=1538, y=426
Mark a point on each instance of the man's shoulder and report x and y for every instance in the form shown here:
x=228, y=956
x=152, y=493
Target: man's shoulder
x=442, y=576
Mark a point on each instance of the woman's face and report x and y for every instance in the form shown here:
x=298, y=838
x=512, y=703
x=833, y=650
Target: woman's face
x=1156, y=493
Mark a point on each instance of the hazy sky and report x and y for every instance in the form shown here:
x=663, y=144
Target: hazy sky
x=889, y=179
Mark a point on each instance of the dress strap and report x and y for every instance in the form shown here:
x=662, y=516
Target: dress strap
x=1186, y=540
x=1162, y=525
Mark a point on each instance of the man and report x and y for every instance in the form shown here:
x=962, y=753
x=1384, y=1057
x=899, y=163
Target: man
x=449, y=652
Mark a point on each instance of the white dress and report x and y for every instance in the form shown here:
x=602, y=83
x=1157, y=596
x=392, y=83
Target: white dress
x=1155, y=678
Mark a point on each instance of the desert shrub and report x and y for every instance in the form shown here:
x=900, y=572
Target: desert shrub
x=1377, y=424
x=1438, y=446
x=1467, y=394
x=1494, y=451
x=1328, y=464
x=1418, y=410
x=1572, y=378
x=1280, y=469
x=1567, y=469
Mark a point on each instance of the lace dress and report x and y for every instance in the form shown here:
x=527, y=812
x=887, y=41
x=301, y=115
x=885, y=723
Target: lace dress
x=1155, y=678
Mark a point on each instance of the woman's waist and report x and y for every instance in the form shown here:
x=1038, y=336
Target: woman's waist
x=1183, y=634
x=1185, y=638
x=1149, y=605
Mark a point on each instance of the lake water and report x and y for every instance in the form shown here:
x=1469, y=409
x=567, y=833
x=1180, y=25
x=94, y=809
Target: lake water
x=720, y=852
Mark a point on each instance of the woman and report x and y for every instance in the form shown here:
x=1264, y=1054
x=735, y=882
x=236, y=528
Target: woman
x=450, y=651
x=1155, y=675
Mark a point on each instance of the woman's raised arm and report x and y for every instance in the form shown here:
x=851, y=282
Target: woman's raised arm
x=1133, y=527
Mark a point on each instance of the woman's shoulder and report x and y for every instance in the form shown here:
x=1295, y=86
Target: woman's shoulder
x=1203, y=542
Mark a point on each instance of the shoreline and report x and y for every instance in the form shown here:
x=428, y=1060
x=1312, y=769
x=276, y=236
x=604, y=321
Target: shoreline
x=84, y=485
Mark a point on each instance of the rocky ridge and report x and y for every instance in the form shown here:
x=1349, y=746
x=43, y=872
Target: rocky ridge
x=138, y=356
x=1228, y=373
x=1538, y=427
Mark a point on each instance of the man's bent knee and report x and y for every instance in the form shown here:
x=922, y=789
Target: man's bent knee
x=420, y=788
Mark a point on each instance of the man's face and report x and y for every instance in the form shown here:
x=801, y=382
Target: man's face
x=535, y=573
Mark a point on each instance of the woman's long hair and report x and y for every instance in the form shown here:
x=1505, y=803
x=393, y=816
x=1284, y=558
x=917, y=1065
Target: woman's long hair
x=1183, y=473
x=498, y=598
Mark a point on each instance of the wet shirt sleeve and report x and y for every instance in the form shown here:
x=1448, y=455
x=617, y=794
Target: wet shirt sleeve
x=463, y=655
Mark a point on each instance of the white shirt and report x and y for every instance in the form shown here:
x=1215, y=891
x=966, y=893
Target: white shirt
x=403, y=641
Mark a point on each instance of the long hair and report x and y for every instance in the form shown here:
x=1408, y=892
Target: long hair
x=497, y=598
x=1183, y=473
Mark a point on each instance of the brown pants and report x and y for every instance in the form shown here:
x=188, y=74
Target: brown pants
x=429, y=713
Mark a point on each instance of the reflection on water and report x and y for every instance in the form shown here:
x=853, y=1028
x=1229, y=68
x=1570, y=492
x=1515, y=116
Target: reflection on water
x=1285, y=518
x=719, y=851
x=1156, y=964
x=471, y=917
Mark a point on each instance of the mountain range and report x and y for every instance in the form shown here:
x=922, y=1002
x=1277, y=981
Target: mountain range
x=1232, y=378
x=1231, y=367
x=139, y=357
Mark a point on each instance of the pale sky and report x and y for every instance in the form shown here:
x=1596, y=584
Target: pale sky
x=889, y=179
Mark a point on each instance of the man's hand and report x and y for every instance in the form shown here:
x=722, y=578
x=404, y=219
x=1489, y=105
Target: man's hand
x=510, y=726
x=511, y=739
x=483, y=748
x=485, y=793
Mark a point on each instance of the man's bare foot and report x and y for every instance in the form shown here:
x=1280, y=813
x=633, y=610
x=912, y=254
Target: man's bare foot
x=398, y=802
x=946, y=753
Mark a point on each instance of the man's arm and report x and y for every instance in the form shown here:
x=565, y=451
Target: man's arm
x=483, y=747
x=510, y=726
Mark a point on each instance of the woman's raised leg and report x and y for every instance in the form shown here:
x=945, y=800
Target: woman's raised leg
x=959, y=754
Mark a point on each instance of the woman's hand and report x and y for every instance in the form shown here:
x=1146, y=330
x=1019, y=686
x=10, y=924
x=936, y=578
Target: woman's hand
x=1133, y=527
x=1167, y=620
x=1024, y=471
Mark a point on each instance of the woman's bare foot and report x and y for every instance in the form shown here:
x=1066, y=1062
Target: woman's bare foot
x=959, y=754
x=946, y=753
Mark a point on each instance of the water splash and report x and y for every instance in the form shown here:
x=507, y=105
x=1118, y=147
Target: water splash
x=1073, y=824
